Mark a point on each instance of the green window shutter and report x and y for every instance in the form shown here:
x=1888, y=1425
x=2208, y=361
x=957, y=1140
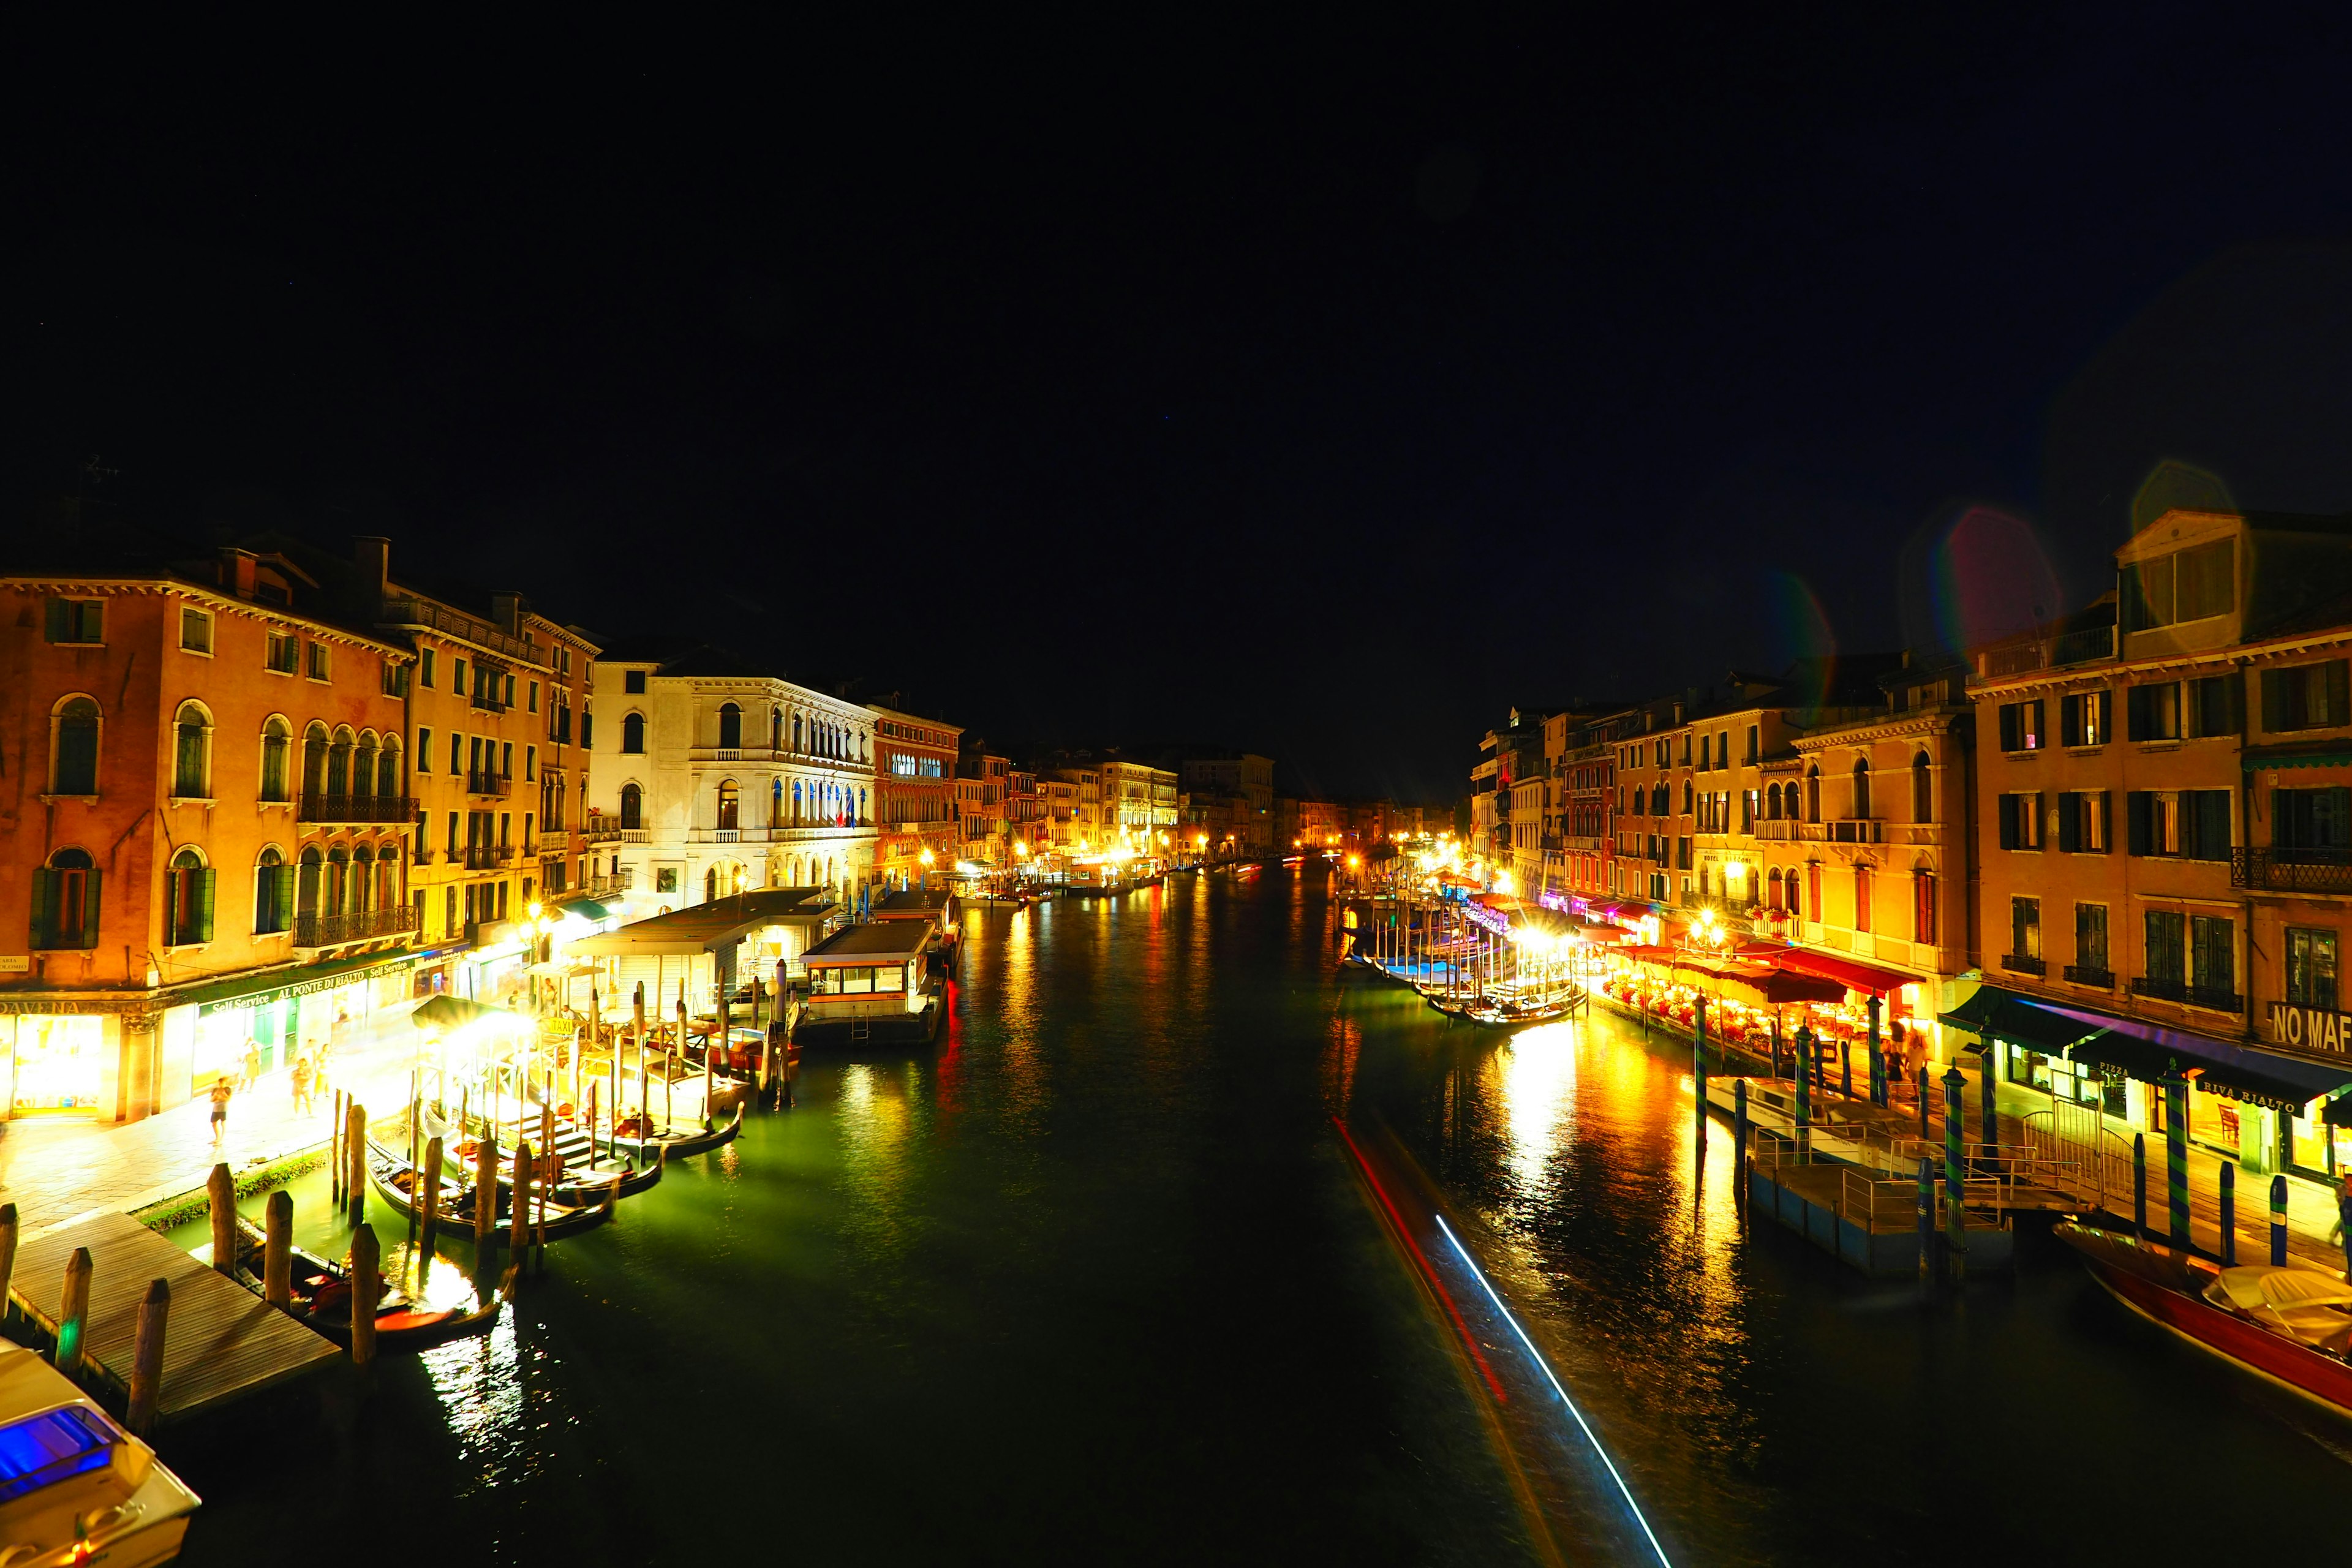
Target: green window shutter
x=2339, y=700
x=2070, y=836
x=89, y=907
x=204, y=901
x=2136, y=814
x=2106, y=821
x=45, y=904
x=60, y=628
x=284, y=890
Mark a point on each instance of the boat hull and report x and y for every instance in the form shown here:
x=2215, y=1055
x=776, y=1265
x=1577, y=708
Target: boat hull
x=2167, y=1289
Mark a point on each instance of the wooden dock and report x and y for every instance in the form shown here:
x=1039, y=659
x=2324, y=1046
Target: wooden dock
x=223, y=1342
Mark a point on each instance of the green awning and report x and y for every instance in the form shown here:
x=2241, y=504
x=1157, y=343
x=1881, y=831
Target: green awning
x=1997, y=1013
x=298, y=980
x=587, y=910
x=2325, y=755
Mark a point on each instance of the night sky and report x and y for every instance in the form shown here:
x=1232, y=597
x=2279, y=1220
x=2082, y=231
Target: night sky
x=1324, y=387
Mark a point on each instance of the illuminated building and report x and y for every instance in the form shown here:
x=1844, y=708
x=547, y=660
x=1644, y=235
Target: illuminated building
x=914, y=774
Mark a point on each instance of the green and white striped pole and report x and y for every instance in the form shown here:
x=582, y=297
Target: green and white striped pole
x=1955, y=1121
x=1698, y=1071
x=2176, y=1155
x=1804, y=1092
x=1926, y=1218
x=1989, y=1106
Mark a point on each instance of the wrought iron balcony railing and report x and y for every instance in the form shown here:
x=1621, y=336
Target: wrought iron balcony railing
x=371, y=809
x=362, y=925
x=2292, y=870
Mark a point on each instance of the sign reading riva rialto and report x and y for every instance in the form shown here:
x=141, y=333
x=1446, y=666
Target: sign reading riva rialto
x=2311, y=1028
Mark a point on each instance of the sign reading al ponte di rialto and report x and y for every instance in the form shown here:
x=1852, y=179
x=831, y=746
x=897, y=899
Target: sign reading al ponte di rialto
x=2310, y=1028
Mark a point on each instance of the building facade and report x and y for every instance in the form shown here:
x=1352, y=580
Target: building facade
x=914, y=783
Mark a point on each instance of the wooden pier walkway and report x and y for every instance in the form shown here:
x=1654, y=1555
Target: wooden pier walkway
x=221, y=1343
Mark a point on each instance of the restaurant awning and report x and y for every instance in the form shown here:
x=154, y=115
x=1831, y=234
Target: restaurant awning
x=1849, y=972
x=2151, y=1052
x=1762, y=985
x=1997, y=1013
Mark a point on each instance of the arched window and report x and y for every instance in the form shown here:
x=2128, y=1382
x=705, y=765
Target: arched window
x=338, y=761
x=334, y=898
x=796, y=800
x=1861, y=786
x=277, y=758
x=192, y=771
x=633, y=807
x=1772, y=807
x=1923, y=789
x=188, y=900
x=775, y=803
x=363, y=765
x=314, y=759
x=775, y=729
x=73, y=747
x=273, y=893
x=633, y=732
x=1796, y=901
x=64, y=903
x=798, y=743
x=1688, y=797
x=1773, y=888
x=363, y=894
x=306, y=885
x=1813, y=794
x=730, y=806
x=731, y=727
x=387, y=877
x=387, y=769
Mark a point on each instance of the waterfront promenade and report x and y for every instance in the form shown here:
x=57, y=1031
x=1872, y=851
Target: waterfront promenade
x=55, y=1169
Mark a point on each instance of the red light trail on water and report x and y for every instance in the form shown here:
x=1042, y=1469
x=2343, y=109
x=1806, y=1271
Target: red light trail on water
x=1428, y=1270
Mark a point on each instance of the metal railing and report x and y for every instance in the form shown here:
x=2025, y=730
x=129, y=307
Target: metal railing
x=316, y=807
x=488, y=857
x=485, y=703
x=2081, y=646
x=2221, y=998
x=489, y=783
x=362, y=925
x=2019, y=963
x=409, y=611
x=2083, y=974
x=2292, y=869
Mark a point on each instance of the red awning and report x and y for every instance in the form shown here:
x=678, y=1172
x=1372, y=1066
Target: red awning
x=1849, y=972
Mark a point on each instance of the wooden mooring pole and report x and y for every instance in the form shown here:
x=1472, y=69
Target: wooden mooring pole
x=520, y=1216
x=220, y=1189
x=277, y=1251
x=7, y=1255
x=367, y=1291
x=147, y=1358
x=73, y=1312
x=429, y=1208
x=355, y=1166
x=337, y=1166
x=485, y=1187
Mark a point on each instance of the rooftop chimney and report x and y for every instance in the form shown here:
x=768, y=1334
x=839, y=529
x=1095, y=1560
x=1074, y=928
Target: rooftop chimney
x=236, y=570
x=372, y=555
x=506, y=610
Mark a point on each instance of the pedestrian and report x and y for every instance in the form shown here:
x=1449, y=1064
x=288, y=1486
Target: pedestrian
x=221, y=1092
x=252, y=1063
x=2344, y=1223
x=340, y=1034
x=301, y=1086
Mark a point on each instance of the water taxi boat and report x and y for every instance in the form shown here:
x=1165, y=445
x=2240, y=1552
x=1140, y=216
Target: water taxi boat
x=2291, y=1324
x=74, y=1487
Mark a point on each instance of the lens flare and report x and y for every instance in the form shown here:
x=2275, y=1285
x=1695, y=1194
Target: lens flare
x=1992, y=578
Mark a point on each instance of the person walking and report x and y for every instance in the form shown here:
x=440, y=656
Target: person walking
x=301, y=1086
x=2344, y=1222
x=221, y=1092
x=252, y=1064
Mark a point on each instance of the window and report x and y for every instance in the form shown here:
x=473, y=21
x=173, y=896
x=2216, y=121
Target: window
x=1754, y=735
x=534, y=697
x=2025, y=929
x=731, y=727
x=2020, y=820
x=73, y=747
x=1862, y=898
x=279, y=654
x=191, y=753
x=2021, y=726
x=277, y=758
x=197, y=632
x=76, y=620
x=65, y=903
x=2167, y=952
x=633, y=683
x=530, y=763
x=1923, y=789
x=2084, y=825
x=1922, y=906
x=633, y=807
x=273, y=894
x=587, y=729
x=729, y=805
x=396, y=678
x=1862, y=787
x=318, y=669
x=2213, y=706
x=2312, y=826
x=632, y=733
x=387, y=763
x=424, y=748
x=2193, y=823
x=2212, y=962
x=2153, y=711
x=2187, y=585
x=2311, y=968
x=2307, y=696
x=1813, y=802
x=188, y=900
x=425, y=659
x=2086, y=718
x=2091, y=939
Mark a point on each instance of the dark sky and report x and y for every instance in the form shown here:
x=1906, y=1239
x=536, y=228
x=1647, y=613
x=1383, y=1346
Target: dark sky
x=1322, y=385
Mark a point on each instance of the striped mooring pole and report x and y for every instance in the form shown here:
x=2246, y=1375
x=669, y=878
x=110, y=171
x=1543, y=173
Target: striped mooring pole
x=2228, y=1214
x=2140, y=1186
x=1739, y=1133
x=2176, y=1157
x=1924, y=1096
x=1989, y=1106
x=1845, y=1069
x=1877, y=1057
x=1698, y=1071
x=1955, y=1115
x=2278, y=1222
x=1927, y=1218
x=1804, y=1092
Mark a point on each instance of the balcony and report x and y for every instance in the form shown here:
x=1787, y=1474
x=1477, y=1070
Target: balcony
x=423, y=856
x=355, y=808
x=425, y=613
x=2083, y=646
x=600, y=830
x=488, y=857
x=483, y=703
x=1856, y=830
x=487, y=784
x=2018, y=964
x=611, y=886
x=316, y=931
x=2220, y=999
x=2083, y=974
x=2293, y=870
x=1777, y=830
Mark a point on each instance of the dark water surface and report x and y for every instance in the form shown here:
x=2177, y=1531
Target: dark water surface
x=1096, y=1280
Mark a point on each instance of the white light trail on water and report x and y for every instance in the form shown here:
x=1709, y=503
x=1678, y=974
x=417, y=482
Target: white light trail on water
x=1553, y=1378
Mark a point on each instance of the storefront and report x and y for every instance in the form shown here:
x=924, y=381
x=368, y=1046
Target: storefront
x=208, y=1032
x=58, y=1064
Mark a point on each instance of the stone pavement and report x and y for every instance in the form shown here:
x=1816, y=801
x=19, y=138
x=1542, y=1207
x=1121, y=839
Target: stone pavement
x=55, y=1169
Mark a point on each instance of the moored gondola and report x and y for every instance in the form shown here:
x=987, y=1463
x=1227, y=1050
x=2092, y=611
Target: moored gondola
x=320, y=1296
x=390, y=1175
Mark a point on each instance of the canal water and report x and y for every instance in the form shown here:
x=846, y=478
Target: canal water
x=1099, y=1279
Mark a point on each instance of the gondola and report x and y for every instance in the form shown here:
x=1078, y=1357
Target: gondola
x=584, y=1182
x=677, y=1147
x=2292, y=1325
x=321, y=1297
x=390, y=1175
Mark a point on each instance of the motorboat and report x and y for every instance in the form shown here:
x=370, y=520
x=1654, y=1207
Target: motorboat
x=75, y=1488
x=2291, y=1324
